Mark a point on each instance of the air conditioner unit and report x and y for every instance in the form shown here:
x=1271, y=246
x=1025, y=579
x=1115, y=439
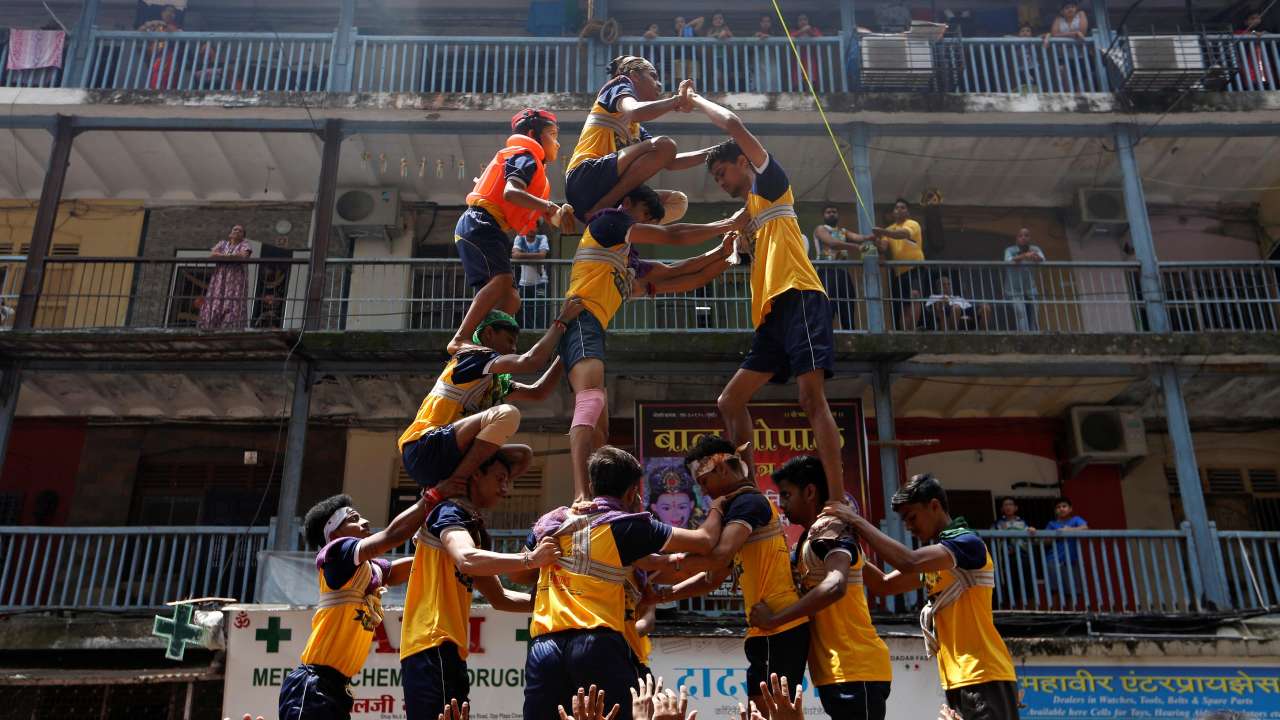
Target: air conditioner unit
x=1164, y=53
x=1102, y=212
x=896, y=60
x=1105, y=434
x=370, y=208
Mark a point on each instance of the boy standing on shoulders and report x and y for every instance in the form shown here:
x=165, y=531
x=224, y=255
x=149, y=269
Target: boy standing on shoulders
x=959, y=577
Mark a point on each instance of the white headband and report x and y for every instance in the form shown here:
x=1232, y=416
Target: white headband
x=335, y=521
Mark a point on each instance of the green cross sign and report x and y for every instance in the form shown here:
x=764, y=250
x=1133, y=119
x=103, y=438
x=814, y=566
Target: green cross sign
x=179, y=631
x=522, y=634
x=273, y=635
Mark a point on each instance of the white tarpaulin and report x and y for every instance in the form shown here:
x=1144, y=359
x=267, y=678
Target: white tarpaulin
x=264, y=643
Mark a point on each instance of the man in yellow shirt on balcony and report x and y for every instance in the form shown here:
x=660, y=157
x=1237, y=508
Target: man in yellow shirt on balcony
x=904, y=241
x=958, y=575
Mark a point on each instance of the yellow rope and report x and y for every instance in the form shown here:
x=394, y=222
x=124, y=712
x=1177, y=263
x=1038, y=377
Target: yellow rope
x=822, y=113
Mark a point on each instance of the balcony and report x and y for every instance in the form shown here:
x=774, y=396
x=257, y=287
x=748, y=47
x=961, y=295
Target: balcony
x=1090, y=572
x=970, y=298
x=228, y=62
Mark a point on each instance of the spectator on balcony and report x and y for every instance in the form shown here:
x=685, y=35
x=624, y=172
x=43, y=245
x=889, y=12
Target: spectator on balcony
x=162, y=53
x=947, y=309
x=766, y=75
x=904, y=240
x=1019, y=558
x=719, y=29
x=1072, y=22
x=688, y=29
x=836, y=243
x=226, y=299
x=808, y=55
x=1020, y=282
x=721, y=73
x=652, y=32
x=684, y=64
x=1253, y=55
x=1064, y=571
x=533, y=276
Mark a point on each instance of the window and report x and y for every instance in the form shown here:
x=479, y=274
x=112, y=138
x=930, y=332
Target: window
x=1236, y=498
x=205, y=493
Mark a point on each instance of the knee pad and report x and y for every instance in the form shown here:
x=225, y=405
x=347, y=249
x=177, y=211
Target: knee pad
x=587, y=407
x=498, y=424
x=674, y=205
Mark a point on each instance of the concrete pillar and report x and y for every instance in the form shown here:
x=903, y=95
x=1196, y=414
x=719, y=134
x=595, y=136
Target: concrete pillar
x=1101, y=20
x=848, y=19
x=295, y=451
x=55, y=177
x=886, y=435
x=322, y=222
x=78, y=56
x=10, y=385
x=1184, y=455
x=343, y=47
x=1144, y=247
x=859, y=141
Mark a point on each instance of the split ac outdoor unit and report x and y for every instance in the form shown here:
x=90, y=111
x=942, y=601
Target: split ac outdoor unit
x=1105, y=434
x=368, y=208
x=1102, y=212
x=1165, y=53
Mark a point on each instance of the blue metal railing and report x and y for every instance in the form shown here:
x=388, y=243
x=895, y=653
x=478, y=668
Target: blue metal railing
x=1256, y=59
x=1251, y=566
x=1022, y=66
x=1241, y=296
x=39, y=78
x=470, y=64
x=743, y=64
x=235, y=62
x=125, y=568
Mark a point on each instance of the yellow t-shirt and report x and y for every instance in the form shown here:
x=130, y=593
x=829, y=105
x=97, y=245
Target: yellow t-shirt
x=437, y=604
x=601, y=273
x=464, y=388
x=912, y=249
x=641, y=645
x=843, y=645
x=778, y=261
x=341, y=635
x=595, y=596
x=970, y=650
x=762, y=567
x=607, y=136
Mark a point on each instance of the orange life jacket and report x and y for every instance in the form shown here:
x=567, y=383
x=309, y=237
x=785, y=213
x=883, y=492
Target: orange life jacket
x=489, y=188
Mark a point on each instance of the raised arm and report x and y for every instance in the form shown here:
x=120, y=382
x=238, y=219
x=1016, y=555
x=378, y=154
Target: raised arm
x=400, y=569
x=400, y=529
x=878, y=582
x=634, y=110
x=542, y=389
x=691, y=159
x=537, y=356
x=828, y=238
x=471, y=560
x=702, y=540
x=729, y=122
x=684, y=234
x=926, y=559
x=501, y=598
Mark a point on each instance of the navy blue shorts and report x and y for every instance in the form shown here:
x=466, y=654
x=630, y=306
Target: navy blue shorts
x=483, y=246
x=855, y=700
x=432, y=678
x=588, y=182
x=559, y=663
x=584, y=338
x=786, y=653
x=795, y=337
x=315, y=692
x=432, y=458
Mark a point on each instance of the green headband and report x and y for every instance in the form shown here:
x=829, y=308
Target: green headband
x=495, y=317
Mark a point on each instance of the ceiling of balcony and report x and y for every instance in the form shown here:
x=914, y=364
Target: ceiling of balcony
x=177, y=167
x=390, y=398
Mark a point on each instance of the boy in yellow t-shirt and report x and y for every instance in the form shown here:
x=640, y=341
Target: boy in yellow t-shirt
x=352, y=579
x=958, y=575
x=790, y=310
x=848, y=662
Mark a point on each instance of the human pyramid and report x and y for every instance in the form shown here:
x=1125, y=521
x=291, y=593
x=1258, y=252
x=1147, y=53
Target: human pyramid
x=600, y=565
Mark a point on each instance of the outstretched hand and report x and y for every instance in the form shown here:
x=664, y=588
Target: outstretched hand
x=453, y=712
x=667, y=706
x=589, y=705
x=685, y=94
x=778, y=701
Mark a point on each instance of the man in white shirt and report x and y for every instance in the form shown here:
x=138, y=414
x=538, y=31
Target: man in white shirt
x=948, y=310
x=1019, y=280
x=534, y=311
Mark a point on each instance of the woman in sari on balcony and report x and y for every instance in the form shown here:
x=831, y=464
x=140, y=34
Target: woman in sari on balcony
x=225, y=301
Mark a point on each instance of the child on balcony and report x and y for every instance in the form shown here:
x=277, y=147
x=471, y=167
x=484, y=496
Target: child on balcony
x=615, y=154
x=511, y=194
x=352, y=578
